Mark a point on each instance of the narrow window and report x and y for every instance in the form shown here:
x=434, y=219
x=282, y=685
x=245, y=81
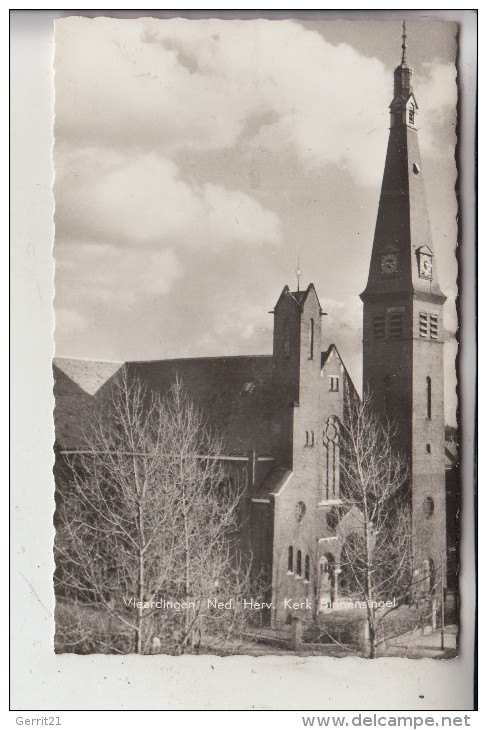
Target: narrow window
x=334, y=384
x=290, y=559
x=423, y=324
x=331, y=466
x=428, y=448
x=326, y=482
x=312, y=438
x=411, y=114
x=331, y=461
x=307, y=438
x=299, y=567
x=379, y=325
x=336, y=479
x=306, y=568
x=434, y=326
x=395, y=324
x=428, y=397
x=286, y=339
x=311, y=338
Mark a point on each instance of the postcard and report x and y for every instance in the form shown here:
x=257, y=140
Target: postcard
x=256, y=416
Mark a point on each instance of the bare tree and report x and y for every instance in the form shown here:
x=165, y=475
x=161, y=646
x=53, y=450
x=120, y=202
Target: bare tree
x=147, y=520
x=376, y=556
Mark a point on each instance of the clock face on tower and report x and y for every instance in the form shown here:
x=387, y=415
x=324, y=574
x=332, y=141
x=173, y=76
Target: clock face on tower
x=425, y=266
x=389, y=263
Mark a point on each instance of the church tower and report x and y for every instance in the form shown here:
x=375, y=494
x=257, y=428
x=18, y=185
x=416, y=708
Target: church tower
x=403, y=328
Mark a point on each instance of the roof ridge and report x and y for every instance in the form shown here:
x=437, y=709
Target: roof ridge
x=86, y=359
x=194, y=359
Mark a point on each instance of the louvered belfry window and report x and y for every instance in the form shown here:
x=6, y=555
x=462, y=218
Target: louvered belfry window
x=379, y=325
x=434, y=326
x=428, y=325
x=423, y=324
x=395, y=324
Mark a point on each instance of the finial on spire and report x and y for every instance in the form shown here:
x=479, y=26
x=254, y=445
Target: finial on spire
x=298, y=273
x=404, y=45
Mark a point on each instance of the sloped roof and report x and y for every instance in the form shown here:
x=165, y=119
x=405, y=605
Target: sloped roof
x=451, y=453
x=234, y=394
x=273, y=483
x=300, y=296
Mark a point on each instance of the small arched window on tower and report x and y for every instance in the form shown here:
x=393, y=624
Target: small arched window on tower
x=311, y=338
x=287, y=348
x=306, y=568
x=299, y=564
x=290, y=559
x=428, y=397
x=411, y=113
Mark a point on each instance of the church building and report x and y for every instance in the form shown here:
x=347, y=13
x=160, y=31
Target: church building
x=280, y=415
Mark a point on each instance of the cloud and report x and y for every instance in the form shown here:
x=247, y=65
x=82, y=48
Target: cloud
x=234, y=217
x=139, y=199
x=93, y=275
x=203, y=85
x=68, y=320
x=435, y=87
x=207, y=84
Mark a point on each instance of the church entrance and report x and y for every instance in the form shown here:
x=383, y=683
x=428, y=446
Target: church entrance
x=327, y=580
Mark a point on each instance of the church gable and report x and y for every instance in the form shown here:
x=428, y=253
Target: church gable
x=75, y=406
x=332, y=366
x=89, y=375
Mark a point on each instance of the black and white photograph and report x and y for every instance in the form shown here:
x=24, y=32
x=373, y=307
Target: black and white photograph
x=256, y=396
x=256, y=442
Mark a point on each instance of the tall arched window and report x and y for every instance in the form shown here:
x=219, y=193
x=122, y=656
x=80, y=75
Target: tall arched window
x=290, y=559
x=306, y=568
x=299, y=564
x=411, y=113
x=331, y=459
x=287, y=347
x=311, y=338
x=428, y=397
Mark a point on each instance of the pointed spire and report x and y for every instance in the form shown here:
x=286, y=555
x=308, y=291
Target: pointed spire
x=298, y=273
x=403, y=86
x=404, y=44
x=402, y=236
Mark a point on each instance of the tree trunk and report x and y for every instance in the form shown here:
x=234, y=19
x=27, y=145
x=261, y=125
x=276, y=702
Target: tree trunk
x=140, y=609
x=371, y=618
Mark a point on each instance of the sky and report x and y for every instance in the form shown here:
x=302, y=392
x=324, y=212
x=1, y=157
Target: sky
x=196, y=160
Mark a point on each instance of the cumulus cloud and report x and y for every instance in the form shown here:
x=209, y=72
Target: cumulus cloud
x=94, y=275
x=181, y=83
x=435, y=87
x=142, y=198
x=203, y=85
